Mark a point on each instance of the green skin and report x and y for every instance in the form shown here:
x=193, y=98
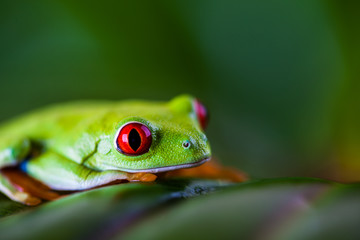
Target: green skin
x=77, y=142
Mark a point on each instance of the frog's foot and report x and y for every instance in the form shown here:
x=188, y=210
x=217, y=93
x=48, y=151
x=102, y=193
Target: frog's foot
x=24, y=198
x=141, y=177
x=10, y=190
x=209, y=170
x=21, y=188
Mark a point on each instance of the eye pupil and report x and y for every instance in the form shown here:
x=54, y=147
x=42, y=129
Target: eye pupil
x=134, y=139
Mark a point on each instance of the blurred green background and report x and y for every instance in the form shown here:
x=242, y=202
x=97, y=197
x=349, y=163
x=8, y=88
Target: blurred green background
x=280, y=77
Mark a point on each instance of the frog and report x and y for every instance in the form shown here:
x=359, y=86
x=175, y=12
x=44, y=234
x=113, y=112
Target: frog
x=77, y=146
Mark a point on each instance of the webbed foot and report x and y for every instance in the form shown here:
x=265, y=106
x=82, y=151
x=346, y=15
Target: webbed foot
x=19, y=187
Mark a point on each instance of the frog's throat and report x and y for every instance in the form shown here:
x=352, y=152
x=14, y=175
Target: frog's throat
x=167, y=168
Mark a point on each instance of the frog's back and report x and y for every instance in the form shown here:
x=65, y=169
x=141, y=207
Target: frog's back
x=63, y=118
x=60, y=127
x=18, y=136
x=45, y=122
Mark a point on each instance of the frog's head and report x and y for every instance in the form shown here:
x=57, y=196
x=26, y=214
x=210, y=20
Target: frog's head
x=157, y=137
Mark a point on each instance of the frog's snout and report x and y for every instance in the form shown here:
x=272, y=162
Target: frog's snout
x=196, y=148
x=200, y=142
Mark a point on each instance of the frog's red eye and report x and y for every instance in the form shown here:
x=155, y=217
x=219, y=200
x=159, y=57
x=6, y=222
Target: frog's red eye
x=134, y=139
x=201, y=113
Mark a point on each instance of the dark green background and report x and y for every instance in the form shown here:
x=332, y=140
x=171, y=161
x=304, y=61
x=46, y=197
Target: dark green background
x=280, y=77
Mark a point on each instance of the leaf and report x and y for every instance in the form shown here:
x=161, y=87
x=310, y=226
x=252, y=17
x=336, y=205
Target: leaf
x=286, y=208
x=8, y=207
x=98, y=213
x=271, y=209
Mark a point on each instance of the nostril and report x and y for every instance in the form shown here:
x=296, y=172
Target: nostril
x=186, y=144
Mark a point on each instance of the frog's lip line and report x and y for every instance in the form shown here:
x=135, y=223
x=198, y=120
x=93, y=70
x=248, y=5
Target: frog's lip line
x=168, y=168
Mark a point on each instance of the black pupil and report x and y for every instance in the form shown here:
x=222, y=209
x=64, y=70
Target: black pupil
x=134, y=139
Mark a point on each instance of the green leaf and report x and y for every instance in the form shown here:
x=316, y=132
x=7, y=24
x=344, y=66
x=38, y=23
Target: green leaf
x=100, y=212
x=286, y=208
x=272, y=209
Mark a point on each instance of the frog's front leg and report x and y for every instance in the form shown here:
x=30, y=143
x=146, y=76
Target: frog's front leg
x=15, y=194
x=12, y=151
x=60, y=173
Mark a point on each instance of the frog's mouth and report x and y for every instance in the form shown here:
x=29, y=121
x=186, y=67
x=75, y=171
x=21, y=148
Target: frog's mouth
x=168, y=168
